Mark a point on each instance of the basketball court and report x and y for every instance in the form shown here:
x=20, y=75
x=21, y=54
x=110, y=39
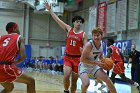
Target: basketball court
x=53, y=83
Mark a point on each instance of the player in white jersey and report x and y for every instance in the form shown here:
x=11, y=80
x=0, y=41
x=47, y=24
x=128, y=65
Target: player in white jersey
x=95, y=55
x=91, y=62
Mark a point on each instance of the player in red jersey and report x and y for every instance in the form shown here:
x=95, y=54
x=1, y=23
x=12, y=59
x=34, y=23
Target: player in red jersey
x=76, y=38
x=10, y=45
x=114, y=53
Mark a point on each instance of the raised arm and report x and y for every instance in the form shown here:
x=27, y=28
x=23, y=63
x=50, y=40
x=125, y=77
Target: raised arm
x=21, y=50
x=56, y=18
x=85, y=39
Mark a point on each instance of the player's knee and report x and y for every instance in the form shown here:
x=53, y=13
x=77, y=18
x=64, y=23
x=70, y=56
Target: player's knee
x=66, y=76
x=86, y=84
x=74, y=80
x=107, y=80
x=31, y=81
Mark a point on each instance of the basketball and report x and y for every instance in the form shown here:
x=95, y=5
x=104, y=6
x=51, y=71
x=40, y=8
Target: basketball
x=108, y=63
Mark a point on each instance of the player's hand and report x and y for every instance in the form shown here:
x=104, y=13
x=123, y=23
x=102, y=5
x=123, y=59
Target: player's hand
x=100, y=64
x=47, y=6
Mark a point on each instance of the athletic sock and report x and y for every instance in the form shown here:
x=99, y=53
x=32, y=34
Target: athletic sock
x=66, y=91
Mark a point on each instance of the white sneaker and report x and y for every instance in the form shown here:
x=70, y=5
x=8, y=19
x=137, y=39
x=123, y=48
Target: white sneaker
x=102, y=86
x=137, y=86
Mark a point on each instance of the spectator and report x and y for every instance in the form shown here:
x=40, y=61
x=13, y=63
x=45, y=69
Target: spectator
x=134, y=58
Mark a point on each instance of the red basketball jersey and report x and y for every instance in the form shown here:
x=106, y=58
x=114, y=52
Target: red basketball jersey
x=73, y=42
x=9, y=47
x=115, y=55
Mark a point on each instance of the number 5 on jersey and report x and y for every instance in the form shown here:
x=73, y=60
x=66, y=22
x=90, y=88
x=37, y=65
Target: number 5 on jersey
x=6, y=41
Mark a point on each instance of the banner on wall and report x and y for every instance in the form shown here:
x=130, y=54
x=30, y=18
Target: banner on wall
x=121, y=15
x=111, y=18
x=124, y=45
x=133, y=14
x=92, y=19
x=102, y=15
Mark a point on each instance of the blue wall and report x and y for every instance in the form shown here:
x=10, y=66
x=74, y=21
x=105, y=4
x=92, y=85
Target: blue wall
x=28, y=54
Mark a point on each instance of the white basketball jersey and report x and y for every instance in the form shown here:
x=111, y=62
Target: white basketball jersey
x=95, y=53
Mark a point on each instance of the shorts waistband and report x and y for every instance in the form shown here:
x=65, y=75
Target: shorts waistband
x=5, y=63
x=72, y=55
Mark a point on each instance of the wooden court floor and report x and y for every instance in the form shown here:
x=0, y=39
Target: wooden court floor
x=46, y=83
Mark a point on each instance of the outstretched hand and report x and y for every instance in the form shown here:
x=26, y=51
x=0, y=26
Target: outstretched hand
x=47, y=6
x=100, y=63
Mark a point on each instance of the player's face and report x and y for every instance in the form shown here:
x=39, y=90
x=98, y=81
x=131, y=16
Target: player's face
x=133, y=47
x=77, y=24
x=97, y=37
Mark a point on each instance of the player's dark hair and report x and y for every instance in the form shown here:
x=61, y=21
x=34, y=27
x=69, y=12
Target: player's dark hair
x=9, y=25
x=111, y=41
x=78, y=18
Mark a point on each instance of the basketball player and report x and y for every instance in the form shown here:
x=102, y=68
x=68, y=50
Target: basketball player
x=76, y=38
x=114, y=53
x=97, y=81
x=91, y=61
x=10, y=45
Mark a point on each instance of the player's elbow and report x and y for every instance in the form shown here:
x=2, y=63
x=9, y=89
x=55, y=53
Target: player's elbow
x=82, y=59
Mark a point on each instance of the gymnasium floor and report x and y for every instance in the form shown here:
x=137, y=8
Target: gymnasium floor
x=53, y=83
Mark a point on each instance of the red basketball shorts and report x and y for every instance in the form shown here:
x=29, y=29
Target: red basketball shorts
x=9, y=73
x=72, y=62
x=119, y=68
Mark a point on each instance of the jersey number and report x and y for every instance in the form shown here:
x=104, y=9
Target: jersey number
x=73, y=43
x=95, y=57
x=6, y=41
x=117, y=52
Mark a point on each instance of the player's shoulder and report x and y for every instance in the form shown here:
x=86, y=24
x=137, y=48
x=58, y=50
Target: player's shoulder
x=90, y=43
